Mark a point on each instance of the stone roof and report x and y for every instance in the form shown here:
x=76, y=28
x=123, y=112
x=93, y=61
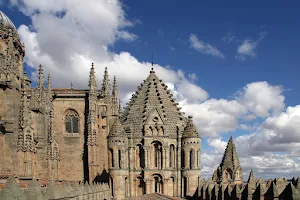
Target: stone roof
x=154, y=196
x=152, y=95
x=117, y=128
x=7, y=25
x=190, y=129
x=230, y=158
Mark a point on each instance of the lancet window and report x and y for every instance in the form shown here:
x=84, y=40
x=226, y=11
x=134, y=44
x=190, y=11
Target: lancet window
x=72, y=121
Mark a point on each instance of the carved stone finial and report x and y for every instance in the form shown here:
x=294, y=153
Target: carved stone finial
x=49, y=81
x=105, y=84
x=92, y=81
x=41, y=78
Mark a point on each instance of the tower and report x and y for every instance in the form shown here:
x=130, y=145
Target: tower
x=229, y=168
x=118, y=160
x=190, y=154
x=157, y=131
x=92, y=136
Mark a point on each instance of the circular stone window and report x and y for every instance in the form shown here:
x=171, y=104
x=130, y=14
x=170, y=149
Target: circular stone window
x=155, y=119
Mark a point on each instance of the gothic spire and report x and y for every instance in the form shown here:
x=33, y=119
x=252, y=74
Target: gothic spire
x=41, y=77
x=120, y=108
x=92, y=81
x=105, y=84
x=49, y=82
x=115, y=90
x=251, y=177
x=230, y=158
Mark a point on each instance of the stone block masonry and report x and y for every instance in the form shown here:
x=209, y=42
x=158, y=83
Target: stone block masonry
x=14, y=190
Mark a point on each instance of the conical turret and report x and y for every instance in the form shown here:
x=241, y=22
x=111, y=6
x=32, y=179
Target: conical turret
x=230, y=167
x=190, y=129
x=117, y=128
x=230, y=158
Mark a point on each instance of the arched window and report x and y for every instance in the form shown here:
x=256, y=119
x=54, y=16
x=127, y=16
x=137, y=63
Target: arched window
x=191, y=159
x=141, y=156
x=111, y=158
x=126, y=187
x=158, y=155
x=72, y=121
x=172, y=156
x=119, y=159
x=112, y=186
x=182, y=159
x=198, y=159
x=185, y=186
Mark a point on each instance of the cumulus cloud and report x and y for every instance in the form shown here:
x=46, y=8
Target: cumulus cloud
x=248, y=47
x=66, y=37
x=261, y=98
x=214, y=117
x=203, y=47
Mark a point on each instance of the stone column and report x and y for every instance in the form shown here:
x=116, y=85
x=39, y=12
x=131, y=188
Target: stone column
x=178, y=184
x=167, y=156
x=146, y=152
x=166, y=187
x=116, y=158
x=164, y=158
x=187, y=159
x=148, y=186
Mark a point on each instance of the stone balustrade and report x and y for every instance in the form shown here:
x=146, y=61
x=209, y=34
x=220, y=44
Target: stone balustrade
x=53, y=191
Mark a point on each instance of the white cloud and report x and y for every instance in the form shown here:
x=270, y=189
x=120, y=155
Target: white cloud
x=248, y=47
x=66, y=37
x=262, y=99
x=172, y=48
x=218, y=144
x=228, y=38
x=203, y=47
x=214, y=117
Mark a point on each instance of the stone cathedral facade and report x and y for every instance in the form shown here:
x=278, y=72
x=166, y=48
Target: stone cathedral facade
x=84, y=135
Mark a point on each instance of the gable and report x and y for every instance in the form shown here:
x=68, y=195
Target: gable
x=155, y=118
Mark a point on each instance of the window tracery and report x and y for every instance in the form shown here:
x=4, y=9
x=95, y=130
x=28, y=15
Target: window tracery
x=71, y=121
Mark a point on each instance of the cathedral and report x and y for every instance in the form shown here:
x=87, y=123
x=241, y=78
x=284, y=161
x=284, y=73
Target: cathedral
x=84, y=134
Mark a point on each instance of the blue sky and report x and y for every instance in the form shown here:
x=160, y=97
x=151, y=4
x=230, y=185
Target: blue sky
x=240, y=59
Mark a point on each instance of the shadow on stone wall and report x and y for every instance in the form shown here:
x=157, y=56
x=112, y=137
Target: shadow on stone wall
x=102, y=178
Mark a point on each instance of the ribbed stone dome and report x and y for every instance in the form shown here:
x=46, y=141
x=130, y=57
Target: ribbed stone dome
x=6, y=25
x=153, y=96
